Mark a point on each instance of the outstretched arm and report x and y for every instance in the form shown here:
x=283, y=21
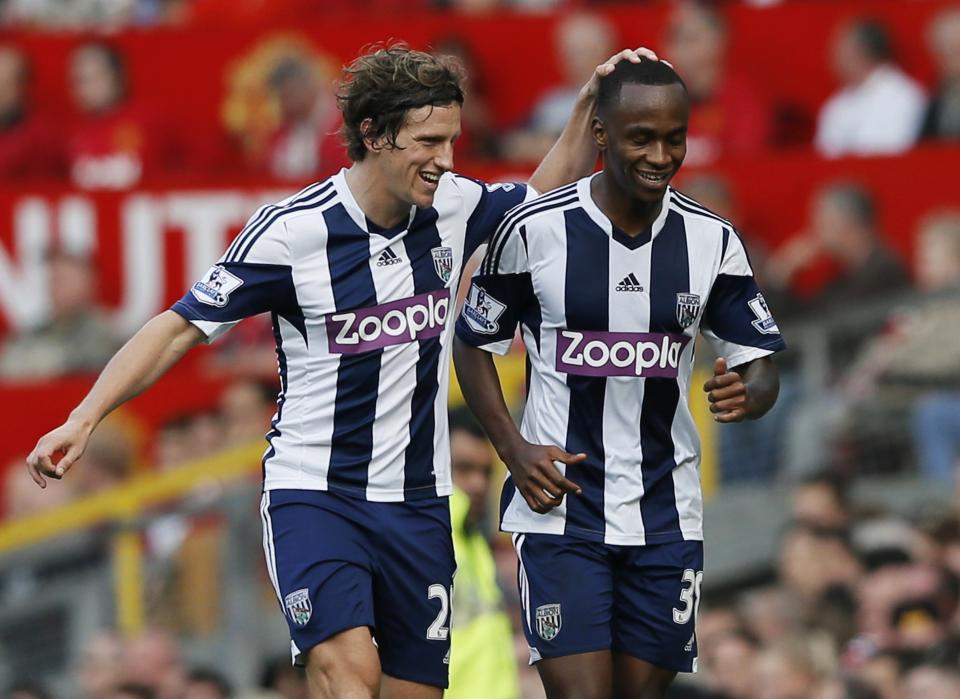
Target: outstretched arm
x=745, y=392
x=155, y=348
x=574, y=155
x=531, y=465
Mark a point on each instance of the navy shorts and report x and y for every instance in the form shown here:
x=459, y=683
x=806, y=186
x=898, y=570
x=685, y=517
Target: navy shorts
x=339, y=562
x=581, y=596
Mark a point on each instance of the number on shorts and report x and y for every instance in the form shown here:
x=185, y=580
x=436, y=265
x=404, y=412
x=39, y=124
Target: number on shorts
x=438, y=631
x=689, y=596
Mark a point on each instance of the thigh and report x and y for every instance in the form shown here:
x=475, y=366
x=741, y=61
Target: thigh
x=580, y=676
x=566, y=595
x=324, y=583
x=413, y=587
x=638, y=679
x=394, y=688
x=345, y=664
x=656, y=596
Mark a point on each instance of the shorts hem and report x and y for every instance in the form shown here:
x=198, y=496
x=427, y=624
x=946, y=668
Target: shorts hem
x=574, y=651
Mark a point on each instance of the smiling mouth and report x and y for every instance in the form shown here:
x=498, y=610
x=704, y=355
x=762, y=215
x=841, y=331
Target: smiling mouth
x=654, y=178
x=431, y=178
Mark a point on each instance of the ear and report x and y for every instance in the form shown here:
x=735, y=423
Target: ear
x=599, y=132
x=374, y=146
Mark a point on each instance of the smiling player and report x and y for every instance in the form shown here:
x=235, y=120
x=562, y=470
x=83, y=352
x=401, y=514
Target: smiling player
x=610, y=279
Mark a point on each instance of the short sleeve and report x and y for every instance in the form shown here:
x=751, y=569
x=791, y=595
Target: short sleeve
x=253, y=276
x=486, y=205
x=737, y=321
x=500, y=291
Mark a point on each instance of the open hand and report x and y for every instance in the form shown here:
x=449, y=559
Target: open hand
x=605, y=68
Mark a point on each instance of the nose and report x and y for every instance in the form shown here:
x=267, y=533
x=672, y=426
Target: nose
x=658, y=154
x=444, y=159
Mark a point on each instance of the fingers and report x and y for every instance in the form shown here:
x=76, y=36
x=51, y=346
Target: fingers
x=719, y=366
x=632, y=55
x=732, y=416
x=722, y=393
x=73, y=453
x=34, y=471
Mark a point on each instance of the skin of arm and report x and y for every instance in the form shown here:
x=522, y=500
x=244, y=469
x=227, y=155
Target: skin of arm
x=532, y=466
x=574, y=155
x=155, y=348
x=745, y=392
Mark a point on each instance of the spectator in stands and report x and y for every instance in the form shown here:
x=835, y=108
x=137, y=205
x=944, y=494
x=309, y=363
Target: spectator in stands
x=932, y=682
x=76, y=337
x=285, y=680
x=821, y=502
x=100, y=667
x=845, y=687
x=305, y=145
x=787, y=670
x=879, y=108
x=942, y=119
x=152, y=659
x=727, y=115
x=245, y=410
x=482, y=662
x=582, y=41
x=731, y=667
x=109, y=458
x=478, y=139
x=29, y=145
x=26, y=690
x=207, y=684
x=116, y=142
x=842, y=227
x=132, y=690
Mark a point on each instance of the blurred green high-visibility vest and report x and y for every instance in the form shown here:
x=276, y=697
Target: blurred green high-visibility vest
x=482, y=661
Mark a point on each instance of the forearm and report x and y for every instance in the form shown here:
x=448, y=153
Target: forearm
x=574, y=155
x=155, y=348
x=480, y=384
x=763, y=386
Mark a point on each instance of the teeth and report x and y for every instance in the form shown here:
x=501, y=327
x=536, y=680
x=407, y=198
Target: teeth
x=430, y=177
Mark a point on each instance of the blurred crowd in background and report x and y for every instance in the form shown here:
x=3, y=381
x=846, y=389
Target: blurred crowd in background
x=863, y=602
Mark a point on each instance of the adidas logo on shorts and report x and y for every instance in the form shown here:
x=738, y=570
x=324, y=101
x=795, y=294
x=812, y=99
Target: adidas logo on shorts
x=389, y=257
x=629, y=283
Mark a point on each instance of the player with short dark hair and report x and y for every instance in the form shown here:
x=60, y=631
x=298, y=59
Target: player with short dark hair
x=610, y=280
x=359, y=273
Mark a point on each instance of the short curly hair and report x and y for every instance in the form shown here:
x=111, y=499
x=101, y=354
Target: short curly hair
x=385, y=82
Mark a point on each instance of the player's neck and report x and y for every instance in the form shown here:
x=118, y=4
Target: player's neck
x=371, y=191
x=631, y=215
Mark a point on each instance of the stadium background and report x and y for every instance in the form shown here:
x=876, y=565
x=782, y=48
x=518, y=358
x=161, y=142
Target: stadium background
x=833, y=544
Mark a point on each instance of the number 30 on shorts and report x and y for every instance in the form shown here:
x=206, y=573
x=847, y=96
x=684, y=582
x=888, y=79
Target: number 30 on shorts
x=440, y=628
x=689, y=596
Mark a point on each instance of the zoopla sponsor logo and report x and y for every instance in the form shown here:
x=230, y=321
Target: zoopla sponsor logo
x=599, y=353
x=415, y=318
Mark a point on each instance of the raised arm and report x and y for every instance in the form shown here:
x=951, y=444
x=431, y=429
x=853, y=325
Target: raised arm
x=574, y=155
x=155, y=348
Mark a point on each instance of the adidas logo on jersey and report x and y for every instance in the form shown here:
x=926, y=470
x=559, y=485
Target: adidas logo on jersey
x=389, y=257
x=629, y=283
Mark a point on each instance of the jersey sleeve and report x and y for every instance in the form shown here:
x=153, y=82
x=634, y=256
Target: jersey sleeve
x=500, y=291
x=486, y=204
x=253, y=276
x=737, y=321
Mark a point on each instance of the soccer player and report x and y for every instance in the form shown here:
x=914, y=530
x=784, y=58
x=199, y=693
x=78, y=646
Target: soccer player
x=610, y=279
x=358, y=273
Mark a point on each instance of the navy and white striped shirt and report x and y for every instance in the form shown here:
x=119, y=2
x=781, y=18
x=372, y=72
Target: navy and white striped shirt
x=609, y=323
x=363, y=319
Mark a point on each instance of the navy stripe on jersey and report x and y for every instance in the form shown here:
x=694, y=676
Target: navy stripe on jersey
x=244, y=241
x=669, y=275
x=489, y=212
x=418, y=457
x=560, y=197
x=726, y=241
x=358, y=378
x=587, y=308
x=281, y=399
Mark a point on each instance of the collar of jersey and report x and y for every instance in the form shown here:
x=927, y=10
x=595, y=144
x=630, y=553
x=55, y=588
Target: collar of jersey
x=358, y=215
x=600, y=218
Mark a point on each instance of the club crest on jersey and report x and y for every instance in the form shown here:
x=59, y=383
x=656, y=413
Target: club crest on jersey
x=443, y=262
x=688, y=308
x=481, y=311
x=548, y=621
x=298, y=606
x=765, y=323
x=216, y=286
